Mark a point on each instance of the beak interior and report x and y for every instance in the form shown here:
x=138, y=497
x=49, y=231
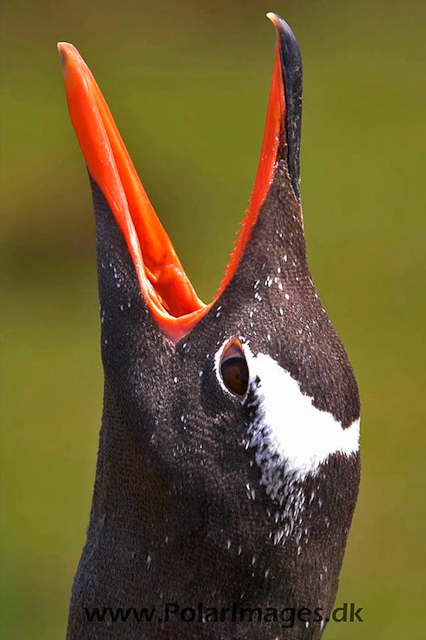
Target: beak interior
x=164, y=284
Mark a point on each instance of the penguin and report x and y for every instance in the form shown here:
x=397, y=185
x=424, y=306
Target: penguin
x=228, y=464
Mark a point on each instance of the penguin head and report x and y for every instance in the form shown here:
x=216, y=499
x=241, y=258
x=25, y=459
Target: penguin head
x=249, y=400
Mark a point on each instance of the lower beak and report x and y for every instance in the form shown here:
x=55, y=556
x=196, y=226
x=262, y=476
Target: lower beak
x=164, y=284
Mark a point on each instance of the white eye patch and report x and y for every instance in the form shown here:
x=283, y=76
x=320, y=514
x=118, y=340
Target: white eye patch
x=289, y=432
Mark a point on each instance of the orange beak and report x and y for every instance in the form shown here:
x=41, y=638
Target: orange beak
x=164, y=284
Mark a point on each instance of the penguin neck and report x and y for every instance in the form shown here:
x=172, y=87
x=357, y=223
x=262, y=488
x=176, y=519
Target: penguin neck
x=147, y=544
x=124, y=483
x=138, y=516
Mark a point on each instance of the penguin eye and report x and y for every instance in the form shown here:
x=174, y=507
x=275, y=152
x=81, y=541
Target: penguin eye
x=234, y=369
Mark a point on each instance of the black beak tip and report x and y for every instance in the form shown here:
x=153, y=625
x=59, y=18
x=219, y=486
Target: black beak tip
x=291, y=68
x=290, y=53
x=280, y=24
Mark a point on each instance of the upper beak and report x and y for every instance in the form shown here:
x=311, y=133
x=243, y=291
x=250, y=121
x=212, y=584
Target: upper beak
x=164, y=284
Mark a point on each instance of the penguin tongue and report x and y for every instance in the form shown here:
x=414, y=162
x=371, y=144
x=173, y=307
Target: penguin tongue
x=164, y=284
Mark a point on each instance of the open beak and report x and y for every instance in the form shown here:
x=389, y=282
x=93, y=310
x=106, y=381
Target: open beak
x=164, y=284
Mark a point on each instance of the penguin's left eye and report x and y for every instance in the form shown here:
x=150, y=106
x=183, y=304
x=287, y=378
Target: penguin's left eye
x=234, y=369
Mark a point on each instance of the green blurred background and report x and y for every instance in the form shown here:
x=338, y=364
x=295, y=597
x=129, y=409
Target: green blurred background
x=188, y=85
